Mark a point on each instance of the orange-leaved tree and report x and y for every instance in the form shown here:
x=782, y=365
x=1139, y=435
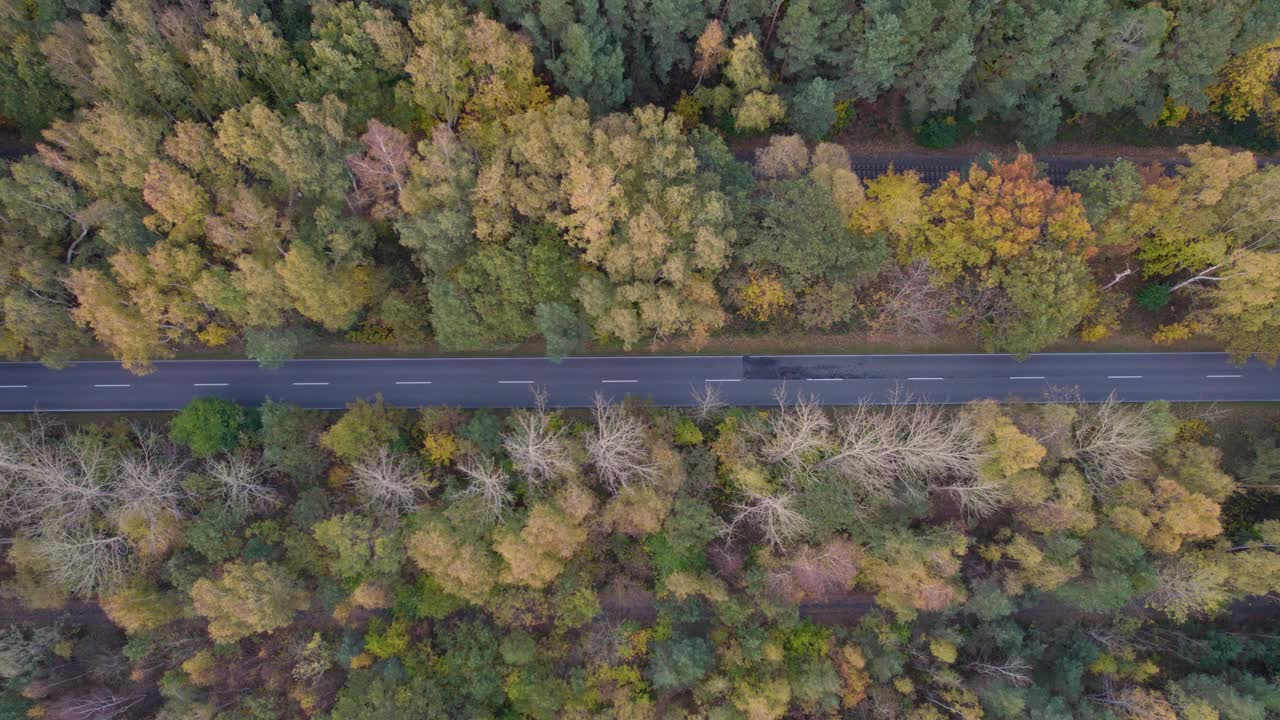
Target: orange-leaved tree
x=984, y=220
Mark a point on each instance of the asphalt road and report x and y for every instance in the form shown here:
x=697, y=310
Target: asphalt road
x=669, y=380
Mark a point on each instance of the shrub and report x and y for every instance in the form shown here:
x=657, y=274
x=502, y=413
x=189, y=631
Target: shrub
x=938, y=132
x=211, y=425
x=271, y=347
x=1152, y=297
x=680, y=662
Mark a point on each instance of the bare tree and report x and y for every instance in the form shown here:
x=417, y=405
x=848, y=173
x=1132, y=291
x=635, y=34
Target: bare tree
x=1015, y=671
x=904, y=440
x=389, y=482
x=381, y=171
x=536, y=445
x=149, y=481
x=618, y=447
x=913, y=306
x=817, y=573
x=1189, y=586
x=1113, y=442
x=977, y=497
x=786, y=156
x=243, y=482
x=1134, y=703
x=488, y=482
x=53, y=483
x=774, y=516
x=84, y=563
x=707, y=402
x=796, y=432
x=97, y=705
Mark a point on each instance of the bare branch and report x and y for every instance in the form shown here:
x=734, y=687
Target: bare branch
x=1187, y=586
x=1135, y=703
x=618, y=447
x=914, y=305
x=797, y=432
x=707, y=401
x=1119, y=276
x=977, y=497
x=389, y=482
x=97, y=705
x=772, y=515
x=817, y=573
x=488, y=483
x=84, y=563
x=1113, y=441
x=903, y=441
x=52, y=483
x=149, y=483
x=381, y=171
x=1015, y=671
x=535, y=445
x=242, y=479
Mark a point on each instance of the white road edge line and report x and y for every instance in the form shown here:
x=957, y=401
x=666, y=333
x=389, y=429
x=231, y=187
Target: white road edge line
x=111, y=386
x=824, y=379
x=1223, y=376
x=619, y=381
x=311, y=383
x=926, y=378
x=515, y=382
x=1026, y=377
x=210, y=384
x=723, y=380
x=1124, y=377
x=12, y=386
x=413, y=382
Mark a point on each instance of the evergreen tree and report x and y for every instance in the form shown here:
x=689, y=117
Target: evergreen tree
x=813, y=109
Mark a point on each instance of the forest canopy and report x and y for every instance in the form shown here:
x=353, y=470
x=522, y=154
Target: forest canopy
x=258, y=176
x=268, y=176
x=1061, y=560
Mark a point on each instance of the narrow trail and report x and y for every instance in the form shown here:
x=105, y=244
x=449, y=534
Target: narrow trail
x=933, y=169
x=932, y=165
x=1251, y=612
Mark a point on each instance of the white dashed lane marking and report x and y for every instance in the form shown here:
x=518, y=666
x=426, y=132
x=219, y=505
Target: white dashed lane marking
x=311, y=383
x=1223, y=376
x=619, y=381
x=413, y=382
x=1124, y=377
x=210, y=384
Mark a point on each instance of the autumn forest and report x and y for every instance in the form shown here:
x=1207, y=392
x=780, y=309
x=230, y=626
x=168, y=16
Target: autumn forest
x=265, y=177
x=275, y=179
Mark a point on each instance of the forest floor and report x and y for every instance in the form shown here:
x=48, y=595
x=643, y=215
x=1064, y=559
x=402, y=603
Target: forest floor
x=728, y=343
x=1134, y=336
x=882, y=127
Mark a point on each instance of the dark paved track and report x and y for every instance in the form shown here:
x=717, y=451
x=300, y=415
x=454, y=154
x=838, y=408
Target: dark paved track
x=934, y=168
x=750, y=380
